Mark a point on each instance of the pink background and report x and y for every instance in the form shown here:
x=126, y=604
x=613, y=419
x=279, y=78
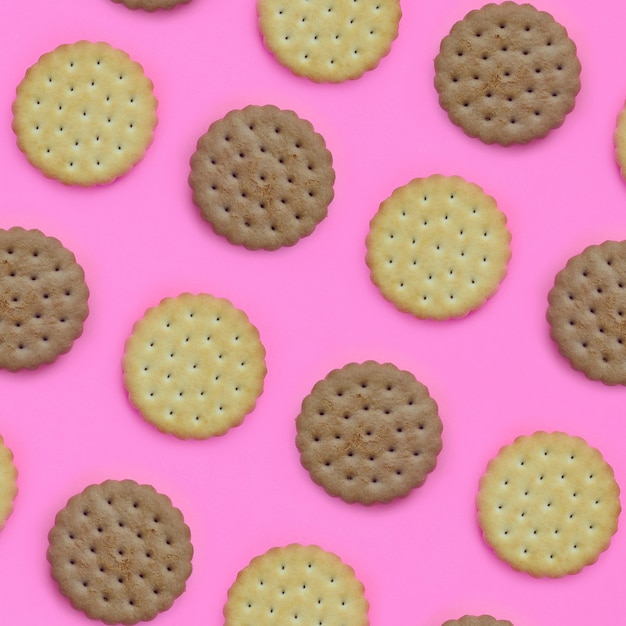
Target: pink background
x=495, y=374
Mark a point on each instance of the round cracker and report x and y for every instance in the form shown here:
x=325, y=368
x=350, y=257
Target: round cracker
x=329, y=40
x=43, y=299
x=297, y=584
x=8, y=482
x=548, y=504
x=507, y=73
x=438, y=247
x=477, y=620
x=120, y=552
x=151, y=5
x=194, y=366
x=262, y=177
x=587, y=309
x=84, y=113
x=369, y=432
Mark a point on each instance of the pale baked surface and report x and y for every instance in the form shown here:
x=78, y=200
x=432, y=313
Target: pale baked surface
x=120, y=552
x=507, y=73
x=194, y=366
x=84, y=113
x=262, y=177
x=587, y=312
x=369, y=432
x=8, y=482
x=297, y=584
x=477, y=620
x=329, y=40
x=43, y=299
x=620, y=142
x=151, y=5
x=548, y=504
x=438, y=247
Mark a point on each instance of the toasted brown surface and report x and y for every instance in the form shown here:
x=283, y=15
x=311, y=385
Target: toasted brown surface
x=43, y=299
x=507, y=73
x=369, y=432
x=587, y=312
x=262, y=177
x=120, y=552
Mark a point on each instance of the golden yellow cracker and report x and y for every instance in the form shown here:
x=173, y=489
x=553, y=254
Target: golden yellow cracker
x=438, y=247
x=296, y=584
x=329, y=40
x=194, y=366
x=620, y=141
x=548, y=504
x=8, y=482
x=84, y=113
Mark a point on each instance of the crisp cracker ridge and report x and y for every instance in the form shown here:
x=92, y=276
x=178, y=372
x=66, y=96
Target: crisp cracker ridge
x=548, y=504
x=8, y=482
x=194, y=366
x=438, y=247
x=507, y=73
x=297, y=584
x=330, y=40
x=84, y=114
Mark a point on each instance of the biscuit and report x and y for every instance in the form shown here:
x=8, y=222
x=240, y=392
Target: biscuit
x=329, y=41
x=438, y=247
x=120, y=552
x=262, y=177
x=194, y=366
x=620, y=141
x=369, y=433
x=587, y=309
x=8, y=483
x=507, y=73
x=477, y=620
x=43, y=299
x=151, y=5
x=84, y=113
x=304, y=585
x=548, y=504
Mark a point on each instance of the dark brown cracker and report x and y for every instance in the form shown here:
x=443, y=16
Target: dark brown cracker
x=151, y=5
x=43, y=299
x=369, y=433
x=587, y=312
x=262, y=177
x=477, y=620
x=507, y=73
x=120, y=552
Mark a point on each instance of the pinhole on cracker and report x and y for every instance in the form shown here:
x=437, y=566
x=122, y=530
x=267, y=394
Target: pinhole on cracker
x=194, y=366
x=507, y=73
x=84, y=114
x=548, y=504
x=297, y=584
x=120, y=552
x=369, y=432
x=329, y=40
x=43, y=299
x=587, y=312
x=262, y=177
x=8, y=482
x=438, y=247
